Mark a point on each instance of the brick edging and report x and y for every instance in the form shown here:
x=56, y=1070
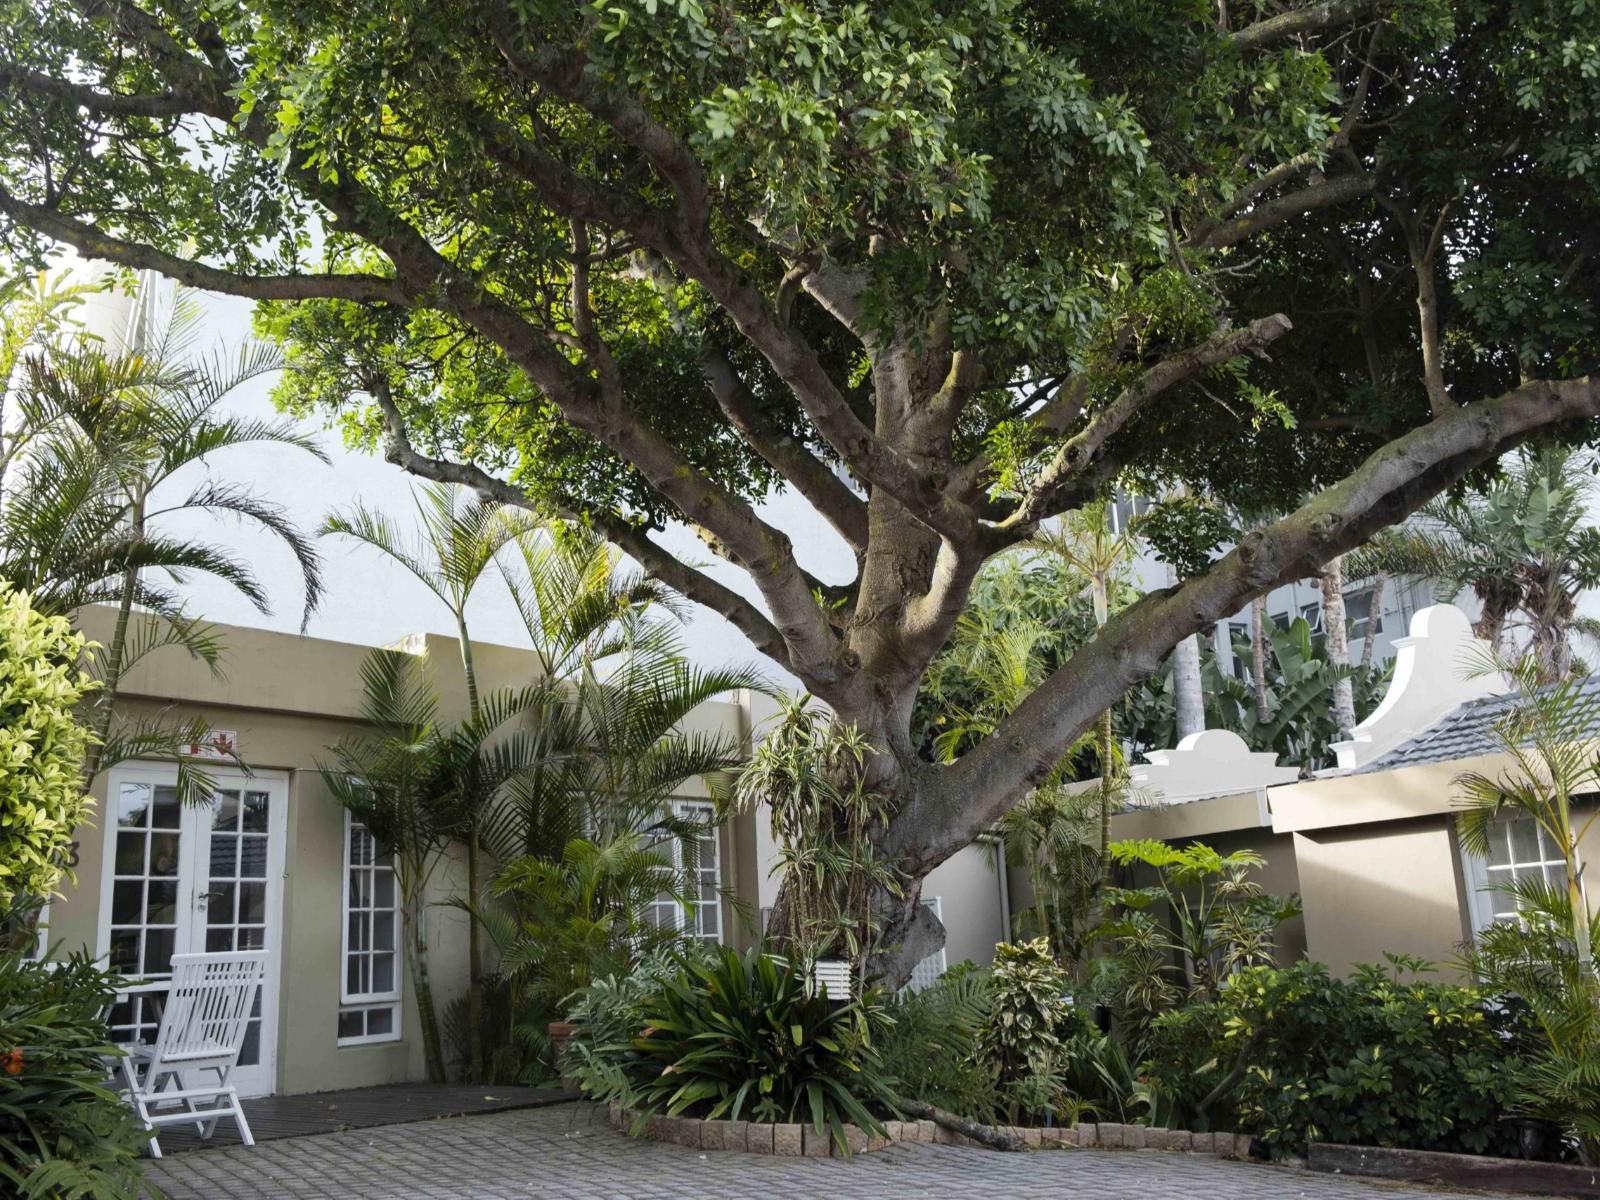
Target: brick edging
x=797, y=1141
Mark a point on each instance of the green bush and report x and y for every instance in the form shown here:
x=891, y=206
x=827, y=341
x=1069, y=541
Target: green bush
x=1294, y=1056
x=62, y=1134
x=42, y=746
x=744, y=1037
x=929, y=1048
x=1031, y=1013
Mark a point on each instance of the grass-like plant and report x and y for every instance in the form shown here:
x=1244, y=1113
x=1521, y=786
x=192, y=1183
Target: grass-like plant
x=744, y=1036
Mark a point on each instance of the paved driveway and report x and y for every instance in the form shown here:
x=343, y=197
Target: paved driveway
x=569, y=1153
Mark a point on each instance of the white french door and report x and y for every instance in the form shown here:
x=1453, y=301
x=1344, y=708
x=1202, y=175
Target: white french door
x=190, y=879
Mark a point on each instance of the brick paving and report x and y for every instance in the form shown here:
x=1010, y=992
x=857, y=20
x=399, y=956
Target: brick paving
x=569, y=1153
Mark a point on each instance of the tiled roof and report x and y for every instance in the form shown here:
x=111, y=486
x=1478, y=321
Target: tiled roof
x=1466, y=732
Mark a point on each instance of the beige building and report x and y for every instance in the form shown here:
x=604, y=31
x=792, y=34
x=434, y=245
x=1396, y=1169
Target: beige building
x=273, y=861
x=1371, y=847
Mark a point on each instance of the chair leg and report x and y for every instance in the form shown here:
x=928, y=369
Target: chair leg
x=136, y=1098
x=239, y=1118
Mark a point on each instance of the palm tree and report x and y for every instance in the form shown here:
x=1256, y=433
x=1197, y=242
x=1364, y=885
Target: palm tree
x=1524, y=546
x=98, y=437
x=1085, y=540
x=459, y=539
x=1546, y=955
x=396, y=778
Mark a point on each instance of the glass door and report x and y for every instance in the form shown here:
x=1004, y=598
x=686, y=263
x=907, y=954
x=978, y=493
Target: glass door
x=195, y=878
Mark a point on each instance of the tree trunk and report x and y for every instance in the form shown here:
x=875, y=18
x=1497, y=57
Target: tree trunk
x=422, y=985
x=474, y=884
x=1374, y=614
x=1222, y=648
x=1186, y=688
x=1336, y=638
x=1258, y=656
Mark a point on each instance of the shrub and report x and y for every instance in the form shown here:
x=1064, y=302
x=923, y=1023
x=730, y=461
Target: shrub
x=62, y=1133
x=745, y=1037
x=1031, y=1012
x=929, y=1050
x=1294, y=1056
x=42, y=746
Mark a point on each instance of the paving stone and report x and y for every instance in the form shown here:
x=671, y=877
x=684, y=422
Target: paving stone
x=788, y=1140
x=1223, y=1144
x=1241, y=1145
x=568, y=1153
x=856, y=1138
x=1033, y=1137
x=818, y=1145
x=927, y=1131
x=1088, y=1133
x=1173, y=1139
x=1134, y=1137
x=1110, y=1135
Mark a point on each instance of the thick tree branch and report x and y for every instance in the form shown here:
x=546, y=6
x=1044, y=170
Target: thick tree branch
x=631, y=539
x=811, y=477
x=1300, y=21
x=954, y=806
x=1080, y=451
x=93, y=243
x=1338, y=190
x=111, y=104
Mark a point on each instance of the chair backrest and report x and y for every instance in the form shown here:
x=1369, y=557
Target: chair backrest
x=208, y=1007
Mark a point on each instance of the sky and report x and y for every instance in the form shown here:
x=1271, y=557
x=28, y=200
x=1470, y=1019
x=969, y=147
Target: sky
x=370, y=600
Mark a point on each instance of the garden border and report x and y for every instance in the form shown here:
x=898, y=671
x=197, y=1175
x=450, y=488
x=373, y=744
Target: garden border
x=1455, y=1170
x=802, y=1141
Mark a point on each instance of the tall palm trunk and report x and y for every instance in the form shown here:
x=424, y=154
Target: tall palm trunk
x=1373, y=615
x=1337, y=640
x=1258, y=656
x=474, y=885
x=422, y=985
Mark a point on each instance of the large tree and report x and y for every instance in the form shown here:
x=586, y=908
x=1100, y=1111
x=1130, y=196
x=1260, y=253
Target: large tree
x=946, y=268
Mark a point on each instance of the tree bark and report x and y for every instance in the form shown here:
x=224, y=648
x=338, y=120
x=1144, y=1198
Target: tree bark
x=1375, y=614
x=1187, y=691
x=990, y=1135
x=1335, y=637
x=1258, y=656
x=422, y=985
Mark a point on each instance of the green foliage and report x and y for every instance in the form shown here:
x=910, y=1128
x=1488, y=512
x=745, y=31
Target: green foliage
x=1186, y=531
x=1523, y=545
x=810, y=771
x=1545, y=956
x=746, y=1037
x=63, y=1134
x=1030, y=1010
x=1371, y=1061
x=1203, y=920
x=42, y=746
x=585, y=915
x=1299, y=725
x=928, y=1048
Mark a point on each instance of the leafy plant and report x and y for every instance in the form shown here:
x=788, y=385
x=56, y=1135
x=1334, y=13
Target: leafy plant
x=811, y=773
x=1203, y=919
x=929, y=1046
x=42, y=745
x=63, y=1134
x=746, y=1037
x=1029, y=1009
x=1545, y=956
x=1295, y=718
x=1294, y=1055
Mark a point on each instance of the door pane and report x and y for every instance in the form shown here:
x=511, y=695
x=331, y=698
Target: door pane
x=236, y=911
x=144, y=898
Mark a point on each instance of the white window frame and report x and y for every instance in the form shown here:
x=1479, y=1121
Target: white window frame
x=366, y=1002
x=1485, y=902
x=686, y=915
x=937, y=957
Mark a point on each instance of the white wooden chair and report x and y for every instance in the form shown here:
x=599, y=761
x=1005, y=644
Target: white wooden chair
x=203, y=1027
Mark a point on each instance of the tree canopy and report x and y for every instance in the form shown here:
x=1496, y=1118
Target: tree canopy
x=947, y=270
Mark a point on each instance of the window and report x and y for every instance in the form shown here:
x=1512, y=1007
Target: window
x=927, y=972
x=1518, y=849
x=369, y=987
x=1238, y=633
x=701, y=917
